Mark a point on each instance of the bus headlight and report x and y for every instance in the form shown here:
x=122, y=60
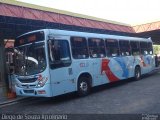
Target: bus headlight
x=17, y=84
x=41, y=81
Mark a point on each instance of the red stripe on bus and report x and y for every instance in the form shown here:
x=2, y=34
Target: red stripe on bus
x=105, y=68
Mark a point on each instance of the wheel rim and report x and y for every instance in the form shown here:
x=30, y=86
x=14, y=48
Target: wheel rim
x=83, y=86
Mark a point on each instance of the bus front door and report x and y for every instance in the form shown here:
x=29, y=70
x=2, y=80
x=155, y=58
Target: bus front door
x=61, y=72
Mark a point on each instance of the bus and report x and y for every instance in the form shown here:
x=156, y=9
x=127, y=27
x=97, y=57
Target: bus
x=51, y=62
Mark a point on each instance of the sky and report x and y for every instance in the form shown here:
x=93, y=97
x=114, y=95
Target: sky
x=131, y=12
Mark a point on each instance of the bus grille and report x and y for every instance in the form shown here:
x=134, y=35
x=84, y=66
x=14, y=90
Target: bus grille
x=27, y=80
x=30, y=86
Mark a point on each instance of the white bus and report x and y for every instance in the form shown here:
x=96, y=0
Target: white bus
x=52, y=62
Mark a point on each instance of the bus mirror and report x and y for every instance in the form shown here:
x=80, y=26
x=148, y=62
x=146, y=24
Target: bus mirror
x=51, y=41
x=51, y=37
x=50, y=44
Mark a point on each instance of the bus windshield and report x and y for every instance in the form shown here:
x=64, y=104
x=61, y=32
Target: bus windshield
x=30, y=59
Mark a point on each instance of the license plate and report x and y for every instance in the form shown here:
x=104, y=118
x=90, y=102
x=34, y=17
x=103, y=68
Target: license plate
x=28, y=91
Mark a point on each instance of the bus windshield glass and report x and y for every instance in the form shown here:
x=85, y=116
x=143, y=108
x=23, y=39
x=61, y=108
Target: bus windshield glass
x=30, y=59
x=30, y=56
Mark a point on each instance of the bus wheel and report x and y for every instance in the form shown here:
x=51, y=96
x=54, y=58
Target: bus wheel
x=137, y=75
x=83, y=86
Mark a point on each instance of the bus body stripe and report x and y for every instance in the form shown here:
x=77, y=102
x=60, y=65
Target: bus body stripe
x=105, y=68
x=121, y=62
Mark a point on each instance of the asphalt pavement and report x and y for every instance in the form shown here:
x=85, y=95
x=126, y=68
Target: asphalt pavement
x=125, y=97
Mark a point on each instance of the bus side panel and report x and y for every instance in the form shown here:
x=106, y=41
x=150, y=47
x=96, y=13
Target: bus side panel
x=119, y=68
x=90, y=66
x=147, y=63
x=98, y=77
x=62, y=81
x=132, y=62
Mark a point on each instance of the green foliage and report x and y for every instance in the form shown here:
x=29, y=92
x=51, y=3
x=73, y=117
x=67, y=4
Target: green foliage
x=156, y=49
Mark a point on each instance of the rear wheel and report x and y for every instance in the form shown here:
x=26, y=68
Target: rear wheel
x=137, y=74
x=83, y=86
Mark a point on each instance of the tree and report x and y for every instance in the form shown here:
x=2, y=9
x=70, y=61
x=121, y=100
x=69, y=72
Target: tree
x=156, y=49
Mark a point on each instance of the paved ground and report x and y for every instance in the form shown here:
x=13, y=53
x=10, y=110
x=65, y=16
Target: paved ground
x=129, y=97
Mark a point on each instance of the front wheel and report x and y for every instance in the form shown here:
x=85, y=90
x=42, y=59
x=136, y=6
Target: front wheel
x=83, y=86
x=137, y=75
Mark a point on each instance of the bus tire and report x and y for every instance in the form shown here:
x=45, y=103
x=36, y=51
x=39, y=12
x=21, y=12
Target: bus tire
x=83, y=86
x=137, y=73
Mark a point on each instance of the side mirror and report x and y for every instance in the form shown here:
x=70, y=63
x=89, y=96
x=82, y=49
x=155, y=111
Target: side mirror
x=50, y=43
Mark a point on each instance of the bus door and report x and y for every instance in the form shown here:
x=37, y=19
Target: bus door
x=145, y=57
x=146, y=63
x=61, y=73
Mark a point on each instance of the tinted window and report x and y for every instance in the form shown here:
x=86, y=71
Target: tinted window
x=150, y=48
x=79, y=48
x=135, y=47
x=59, y=53
x=112, y=47
x=29, y=38
x=96, y=47
x=124, y=48
x=144, y=48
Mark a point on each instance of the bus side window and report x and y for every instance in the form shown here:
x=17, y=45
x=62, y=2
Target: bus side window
x=144, y=48
x=150, y=48
x=135, y=47
x=96, y=48
x=112, y=47
x=59, y=53
x=79, y=48
x=124, y=48
x=56, y=51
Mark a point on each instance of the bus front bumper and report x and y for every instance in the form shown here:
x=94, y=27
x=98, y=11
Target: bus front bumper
x=34, y=92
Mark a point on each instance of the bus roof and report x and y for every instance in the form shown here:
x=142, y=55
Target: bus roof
x=87, y=34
